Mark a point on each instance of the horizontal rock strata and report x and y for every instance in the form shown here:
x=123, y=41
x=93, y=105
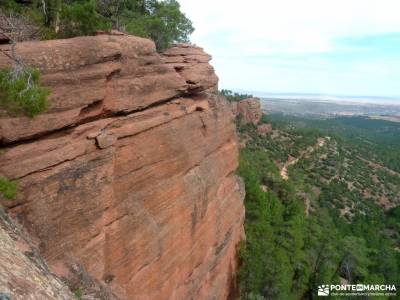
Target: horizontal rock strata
x=130, y=174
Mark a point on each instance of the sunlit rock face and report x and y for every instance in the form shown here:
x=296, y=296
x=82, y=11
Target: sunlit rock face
x=248, y=110
x=129, y=176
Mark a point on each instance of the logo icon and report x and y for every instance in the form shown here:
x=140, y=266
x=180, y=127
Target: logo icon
x=323, y=290
x=360, y=287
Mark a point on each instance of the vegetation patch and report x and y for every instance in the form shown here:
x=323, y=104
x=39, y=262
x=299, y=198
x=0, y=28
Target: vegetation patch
x=161, y=21
x=234, y=96
x=80, y=18
x=319, y=226
x=8, y=189
x=22, y=94
x=78, y=293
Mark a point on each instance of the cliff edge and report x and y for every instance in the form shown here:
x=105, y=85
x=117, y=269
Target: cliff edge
x=129, y=177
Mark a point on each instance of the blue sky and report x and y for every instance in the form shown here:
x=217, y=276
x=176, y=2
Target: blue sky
x=339, y=47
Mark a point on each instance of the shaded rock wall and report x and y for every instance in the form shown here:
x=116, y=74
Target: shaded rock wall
x=129, y=176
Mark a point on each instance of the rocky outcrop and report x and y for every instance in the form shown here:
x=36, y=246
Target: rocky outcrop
x=129, y=177
x=249, y=110
x=192, y=64
x=264, y=129
x=99, y=76
x=23, y=273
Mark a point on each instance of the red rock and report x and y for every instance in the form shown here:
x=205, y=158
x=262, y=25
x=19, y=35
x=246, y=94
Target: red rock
x=96, y=75
x=234, y=108
x=105, y=140
x=249, y=110
x=264, y=129
x=23, y=274
x=192, y=64
x=139, y=191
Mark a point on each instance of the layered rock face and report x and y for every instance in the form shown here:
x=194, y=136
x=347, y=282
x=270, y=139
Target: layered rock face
x=129, y=177
x=249, y=110
x=23, y=274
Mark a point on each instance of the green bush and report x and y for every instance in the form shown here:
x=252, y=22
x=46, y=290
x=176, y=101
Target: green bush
x=233, y=96
x=168, y=24
x=8, y=189
x=160, y=20
x=78, y=293
x=22, y=95
x=81, y=19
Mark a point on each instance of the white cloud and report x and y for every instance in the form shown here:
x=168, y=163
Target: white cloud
x=291, y=25
x=236, y=31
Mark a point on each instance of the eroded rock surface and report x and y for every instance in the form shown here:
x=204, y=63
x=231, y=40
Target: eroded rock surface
x=130, y=175
x=249, y=110
x=23, y=273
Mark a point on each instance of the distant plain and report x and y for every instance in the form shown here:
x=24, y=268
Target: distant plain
x=331, y=106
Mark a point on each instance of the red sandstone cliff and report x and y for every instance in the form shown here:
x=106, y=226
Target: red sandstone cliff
x=129, y=177
x=249, y=110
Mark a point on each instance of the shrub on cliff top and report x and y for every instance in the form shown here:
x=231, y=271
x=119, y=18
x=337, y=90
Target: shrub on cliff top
x=233, y=96
x=22, y=94
x=81, y=18
x=162, y=21
x=8, y=189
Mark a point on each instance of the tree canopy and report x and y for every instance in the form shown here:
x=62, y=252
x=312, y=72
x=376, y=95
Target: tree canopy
x=161, y=21
x=318, y=226
x=234, y=96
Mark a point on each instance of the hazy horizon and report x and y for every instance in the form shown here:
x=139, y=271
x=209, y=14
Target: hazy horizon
x=324, y=97
x=329, y=47
x=391, y=100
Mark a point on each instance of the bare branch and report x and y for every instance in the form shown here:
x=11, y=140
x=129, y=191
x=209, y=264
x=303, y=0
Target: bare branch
x=44, y=10
x=18, y=28
x=15, y=28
